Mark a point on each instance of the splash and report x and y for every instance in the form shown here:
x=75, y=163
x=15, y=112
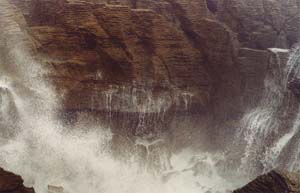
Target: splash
x=267, y=136
x=262, y=122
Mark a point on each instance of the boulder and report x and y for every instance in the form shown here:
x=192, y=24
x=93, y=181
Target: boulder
x=134, y=61
x=275, y=181
x=12, y=183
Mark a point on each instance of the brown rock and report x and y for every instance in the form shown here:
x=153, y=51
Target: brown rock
x=138, y=60
x=12, y=183
x=93, y=47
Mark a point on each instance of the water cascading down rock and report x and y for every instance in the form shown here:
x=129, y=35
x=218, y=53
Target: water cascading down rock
x=144, y=96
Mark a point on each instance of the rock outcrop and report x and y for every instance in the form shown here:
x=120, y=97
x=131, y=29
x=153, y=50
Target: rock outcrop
x=273, y=182
x=136, y=62
x=12, y=183
x=96, y=49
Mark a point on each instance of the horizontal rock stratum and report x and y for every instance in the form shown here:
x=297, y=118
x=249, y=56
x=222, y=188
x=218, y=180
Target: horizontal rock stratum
x=99, y=50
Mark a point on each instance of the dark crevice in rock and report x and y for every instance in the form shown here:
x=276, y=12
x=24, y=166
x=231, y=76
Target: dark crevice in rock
x=212, y=6
x=121, y=70
x=134, y=4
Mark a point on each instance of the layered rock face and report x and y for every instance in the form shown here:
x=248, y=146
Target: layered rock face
x=12, y=183
x=102, y=50
x=136, y=62
x=114, y=45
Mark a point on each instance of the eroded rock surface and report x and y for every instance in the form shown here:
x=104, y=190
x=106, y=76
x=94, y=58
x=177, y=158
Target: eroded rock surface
x=97, y=49
x=136, y=62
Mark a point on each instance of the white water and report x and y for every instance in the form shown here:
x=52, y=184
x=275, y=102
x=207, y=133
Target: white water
x=79, y=159
x=262, y=130
x=293, y=64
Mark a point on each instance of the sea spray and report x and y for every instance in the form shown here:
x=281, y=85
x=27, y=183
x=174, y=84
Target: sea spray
x=78, y=157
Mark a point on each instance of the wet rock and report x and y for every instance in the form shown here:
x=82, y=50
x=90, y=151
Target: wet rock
x=253, y=64
x=12, y=183
x=126, y=60
x=262, y=24
x=164, y=46
x=273, y=182
x=92, y=46
x=55, y=189
x=111, y=49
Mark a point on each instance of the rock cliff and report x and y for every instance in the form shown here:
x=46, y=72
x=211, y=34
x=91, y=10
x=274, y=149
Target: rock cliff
x=96, y=49
x=142, y=61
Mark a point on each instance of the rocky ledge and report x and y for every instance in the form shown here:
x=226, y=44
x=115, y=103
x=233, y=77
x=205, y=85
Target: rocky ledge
x=273, y=182
x=12, y=183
